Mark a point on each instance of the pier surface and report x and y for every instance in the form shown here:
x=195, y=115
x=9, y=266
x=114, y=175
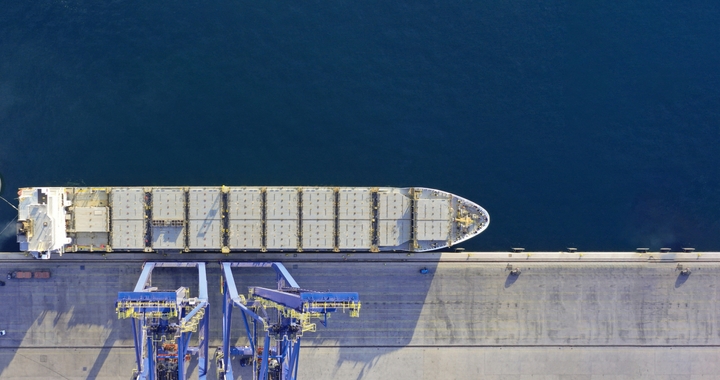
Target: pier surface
x=577, y=315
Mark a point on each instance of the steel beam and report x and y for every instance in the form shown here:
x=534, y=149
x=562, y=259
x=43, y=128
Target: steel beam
x=144, y=277
x=292, y=309
x=150, y=312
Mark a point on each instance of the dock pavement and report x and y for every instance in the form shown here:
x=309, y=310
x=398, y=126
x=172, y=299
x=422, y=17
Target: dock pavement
x=560, y=315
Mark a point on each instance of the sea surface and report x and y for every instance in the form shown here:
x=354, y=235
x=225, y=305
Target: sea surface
x=591, y=124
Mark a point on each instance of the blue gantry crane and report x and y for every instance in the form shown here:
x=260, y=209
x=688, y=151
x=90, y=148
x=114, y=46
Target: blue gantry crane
x=163, y=323
x=274, y=321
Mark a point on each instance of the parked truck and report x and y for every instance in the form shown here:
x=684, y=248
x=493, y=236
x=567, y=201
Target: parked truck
x=21, y=274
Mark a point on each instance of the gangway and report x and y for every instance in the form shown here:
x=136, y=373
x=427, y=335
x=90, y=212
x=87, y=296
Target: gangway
x=278, y=316
x=163, y=323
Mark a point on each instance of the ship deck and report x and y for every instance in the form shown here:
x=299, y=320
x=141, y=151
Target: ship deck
x=585, y=315
x=241, y=219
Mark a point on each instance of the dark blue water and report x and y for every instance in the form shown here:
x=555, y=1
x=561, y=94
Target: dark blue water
x=594, y=125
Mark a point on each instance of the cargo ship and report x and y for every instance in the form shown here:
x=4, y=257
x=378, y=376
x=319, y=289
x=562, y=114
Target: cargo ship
x=55, y=220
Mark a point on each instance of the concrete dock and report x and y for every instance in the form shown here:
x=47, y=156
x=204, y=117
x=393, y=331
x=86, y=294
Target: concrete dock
x=565, y=316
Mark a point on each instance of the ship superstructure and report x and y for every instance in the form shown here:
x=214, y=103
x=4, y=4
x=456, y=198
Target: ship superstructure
x=243, y=219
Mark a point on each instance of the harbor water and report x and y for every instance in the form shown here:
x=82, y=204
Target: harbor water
x=594, y=126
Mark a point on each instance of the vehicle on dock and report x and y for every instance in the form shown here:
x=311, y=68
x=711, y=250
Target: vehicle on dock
x=20, y=274
x=41, y=274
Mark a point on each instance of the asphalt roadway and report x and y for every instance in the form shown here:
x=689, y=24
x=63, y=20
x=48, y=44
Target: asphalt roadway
x=462, y=320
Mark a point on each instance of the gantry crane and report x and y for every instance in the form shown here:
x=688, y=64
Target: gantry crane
x=163, y=323
x=278, y=316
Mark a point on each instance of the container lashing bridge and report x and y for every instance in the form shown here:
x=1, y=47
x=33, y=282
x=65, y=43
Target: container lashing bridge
x=274, y=321
x=163, y=323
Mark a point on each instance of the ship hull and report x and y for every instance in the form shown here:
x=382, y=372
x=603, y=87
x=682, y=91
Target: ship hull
x=243, y=219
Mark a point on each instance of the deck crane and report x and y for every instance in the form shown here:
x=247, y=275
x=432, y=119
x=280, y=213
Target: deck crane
x=163, y=323
x=278, y=316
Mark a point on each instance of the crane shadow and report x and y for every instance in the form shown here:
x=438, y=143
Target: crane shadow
x=102, y=357
x=681, y=279
x=511, y=278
